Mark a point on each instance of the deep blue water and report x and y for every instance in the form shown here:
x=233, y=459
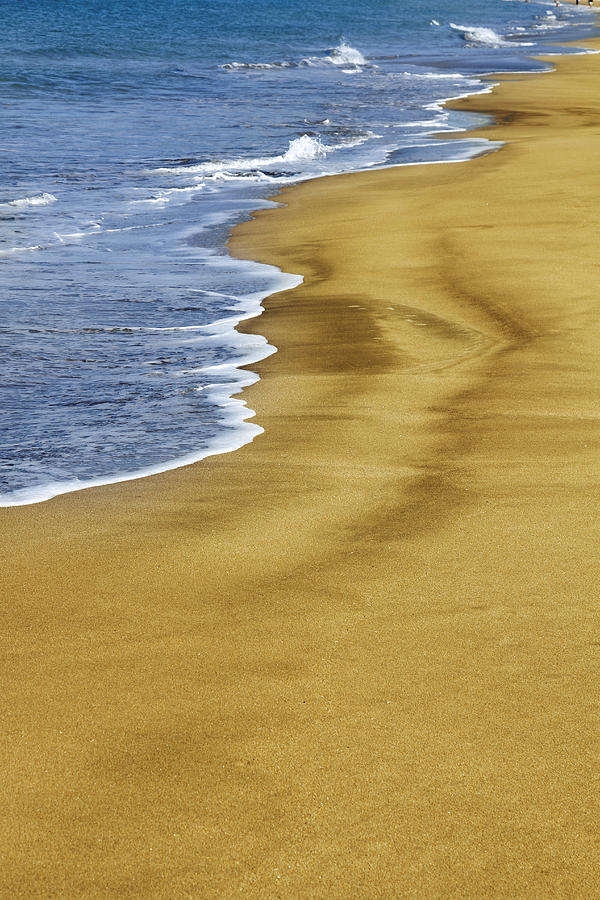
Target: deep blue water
x=133, y=137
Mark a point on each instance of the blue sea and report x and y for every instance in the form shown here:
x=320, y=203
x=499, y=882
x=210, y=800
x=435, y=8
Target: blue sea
x=134, y=136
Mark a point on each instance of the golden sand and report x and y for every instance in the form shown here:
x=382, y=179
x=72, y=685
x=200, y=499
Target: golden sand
x=360, y=656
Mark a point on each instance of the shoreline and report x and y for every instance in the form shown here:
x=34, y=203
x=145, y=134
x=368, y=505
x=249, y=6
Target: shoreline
x=357, y=653
x=247, y=430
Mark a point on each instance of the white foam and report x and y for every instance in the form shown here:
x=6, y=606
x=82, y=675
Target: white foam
x=44, y=199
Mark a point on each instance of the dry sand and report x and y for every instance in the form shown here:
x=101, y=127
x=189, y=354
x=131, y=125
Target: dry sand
x=359, y=657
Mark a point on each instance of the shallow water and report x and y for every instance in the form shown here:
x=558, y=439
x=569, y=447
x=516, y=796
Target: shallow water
x=133, y=138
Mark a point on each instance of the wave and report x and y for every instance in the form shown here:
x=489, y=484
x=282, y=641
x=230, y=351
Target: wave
x=99, y=230
x=427, y=123
x=231, y=380
x=455, y=76
x=164, y=196
x=342, y=55
x=44, y=199
x=345, y=55
x=278, y=169
x=550, y=22
x=248, y=177
x=160, y=199
x=480, y=36
x=301, y=149
x=237, y=66
x=12, y=250
x=445, y=152
x=243, y=432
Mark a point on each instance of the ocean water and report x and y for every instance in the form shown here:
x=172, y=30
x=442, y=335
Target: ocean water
x=134, y=136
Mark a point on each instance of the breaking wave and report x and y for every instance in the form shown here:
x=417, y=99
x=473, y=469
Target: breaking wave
x=301, y=149
x=345, y=55
x=342, y=55
x=484, y=37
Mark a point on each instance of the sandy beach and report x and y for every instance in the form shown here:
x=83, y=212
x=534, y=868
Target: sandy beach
x=358, y=657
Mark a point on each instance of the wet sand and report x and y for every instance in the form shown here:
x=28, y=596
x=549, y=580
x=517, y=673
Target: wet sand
x=360, y=656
